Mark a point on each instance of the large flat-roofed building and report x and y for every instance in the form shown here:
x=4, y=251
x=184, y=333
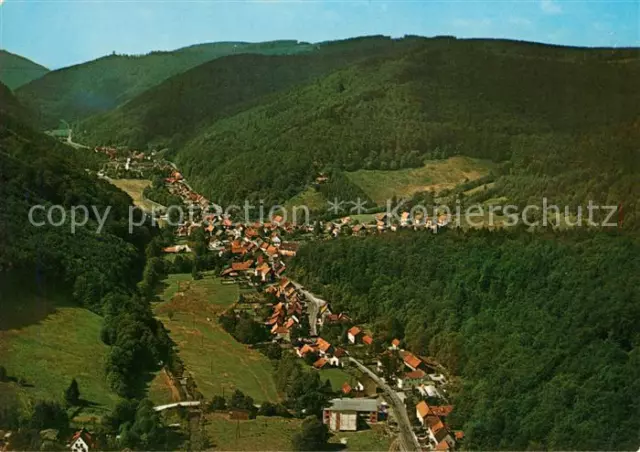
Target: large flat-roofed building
x=343, y=414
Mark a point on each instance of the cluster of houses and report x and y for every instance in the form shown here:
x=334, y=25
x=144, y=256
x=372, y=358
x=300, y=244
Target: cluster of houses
x=433, y=420
x=382, y=222
x=129, y=163
x=177, y=185
x=256, y=253
x=328, y=355
x=287, y=312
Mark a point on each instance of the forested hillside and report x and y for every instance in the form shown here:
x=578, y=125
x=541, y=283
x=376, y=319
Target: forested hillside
x=77, y=92
x=16, y=71
x=550, y=111
x=98, y=270
x=180, y=107
x=542, y=329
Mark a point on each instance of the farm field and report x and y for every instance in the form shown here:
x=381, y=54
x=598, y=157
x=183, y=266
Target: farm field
x=134, y=188
x=46, y=341
x=262, y=433
x=435, y=175
x=217, y=361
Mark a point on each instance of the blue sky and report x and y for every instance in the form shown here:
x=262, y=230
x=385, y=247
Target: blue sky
x=59, y=33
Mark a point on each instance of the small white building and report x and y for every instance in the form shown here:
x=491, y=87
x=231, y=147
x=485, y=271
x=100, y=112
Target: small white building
x=81, y=442
x=353, y=334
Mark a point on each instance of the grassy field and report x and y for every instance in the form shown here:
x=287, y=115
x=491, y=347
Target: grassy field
x=47, y=342
x=217, y=361
x=311, y=198
x=435, y=175
x=134, y=188
x=337, y=377
x=373, y=439
x=263, y=433
x=159, y=391
x=479, y=189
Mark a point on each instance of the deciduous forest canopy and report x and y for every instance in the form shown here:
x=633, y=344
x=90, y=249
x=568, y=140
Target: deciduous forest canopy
x=542, y=328
x=566, y=119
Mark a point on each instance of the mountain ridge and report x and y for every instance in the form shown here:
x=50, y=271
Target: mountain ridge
x=78, y=91
x=16, y=70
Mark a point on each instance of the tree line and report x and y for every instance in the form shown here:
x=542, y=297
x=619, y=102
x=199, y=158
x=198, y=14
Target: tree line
x=541, y=328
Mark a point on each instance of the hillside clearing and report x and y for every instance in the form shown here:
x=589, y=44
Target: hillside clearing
x=262, y=433
x=217, y=361
x=337, y=377
x=311, y=198
x=61, y=342
x=134, y=188
x=435, y=175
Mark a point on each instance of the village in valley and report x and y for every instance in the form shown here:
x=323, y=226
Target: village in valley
x=308, y=327
x=375, y=382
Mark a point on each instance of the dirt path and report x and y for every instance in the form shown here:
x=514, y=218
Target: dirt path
x=175, y=393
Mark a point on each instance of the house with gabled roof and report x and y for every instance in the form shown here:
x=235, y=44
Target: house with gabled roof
x=282, y=332
x=436, y=428
x=354, y=334
x=82, y=441
x=358, y=229
x=412, y=361
x=367, y=340
x=242, y=266
x=305, y=350
x=271, y=251
x=321, y=363
x=439, y=434
x=289, y=249
x=263, y=271
x=324, y=347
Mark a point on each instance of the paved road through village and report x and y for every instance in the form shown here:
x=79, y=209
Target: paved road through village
x=408, y=439
x=314, y=306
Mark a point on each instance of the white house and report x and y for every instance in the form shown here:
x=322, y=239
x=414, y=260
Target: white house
x=81, y=442
x=353, y=334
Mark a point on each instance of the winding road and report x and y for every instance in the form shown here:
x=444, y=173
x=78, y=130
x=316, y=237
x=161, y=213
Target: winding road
x=313, y=306
x=408, y=439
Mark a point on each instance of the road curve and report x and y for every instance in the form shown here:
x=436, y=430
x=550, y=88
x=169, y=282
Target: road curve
x=313, y=306
x=408, y=440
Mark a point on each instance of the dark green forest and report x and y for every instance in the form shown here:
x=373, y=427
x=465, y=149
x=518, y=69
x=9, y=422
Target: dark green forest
x=565, y=119
x=543, y=329
x=16, y=71
x=99, y=271
x=170, y=113
x=79, y=91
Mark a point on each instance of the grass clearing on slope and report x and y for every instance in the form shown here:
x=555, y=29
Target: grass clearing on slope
x=311, y=198
x=217, y=361
x=262, y=433
x=134, y=188
x=337, y=377
x=435, y=175
x=60, y=342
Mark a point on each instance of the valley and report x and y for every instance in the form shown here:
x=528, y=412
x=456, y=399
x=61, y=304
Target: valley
x=356, y=328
